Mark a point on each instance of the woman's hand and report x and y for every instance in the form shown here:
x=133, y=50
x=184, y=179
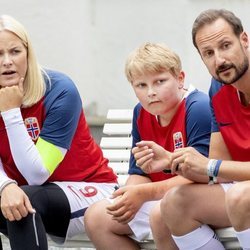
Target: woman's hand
x=11, y=96
x=15, y=204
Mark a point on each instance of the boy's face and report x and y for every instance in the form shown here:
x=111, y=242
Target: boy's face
x=223, y=53
x=159, y=93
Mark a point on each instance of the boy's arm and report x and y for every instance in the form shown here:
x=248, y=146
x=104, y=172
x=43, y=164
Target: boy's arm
x=129, y=198
x=156, y=190
x=137, y=179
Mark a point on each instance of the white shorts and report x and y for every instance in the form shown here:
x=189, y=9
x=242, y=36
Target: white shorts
x=226, y=186
x=80, y=196
x=140, y=224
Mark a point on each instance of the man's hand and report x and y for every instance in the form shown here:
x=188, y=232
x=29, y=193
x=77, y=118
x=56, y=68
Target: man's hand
x=189, y=160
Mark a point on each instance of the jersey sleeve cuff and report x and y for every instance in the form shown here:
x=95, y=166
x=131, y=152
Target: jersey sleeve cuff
x=12, y=117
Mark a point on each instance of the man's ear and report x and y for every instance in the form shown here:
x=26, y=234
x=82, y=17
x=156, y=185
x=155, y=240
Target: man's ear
x=244, y=39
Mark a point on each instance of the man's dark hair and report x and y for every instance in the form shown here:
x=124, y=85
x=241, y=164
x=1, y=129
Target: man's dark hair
x=211, y=15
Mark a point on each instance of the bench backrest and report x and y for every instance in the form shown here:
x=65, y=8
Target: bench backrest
x=117, y=142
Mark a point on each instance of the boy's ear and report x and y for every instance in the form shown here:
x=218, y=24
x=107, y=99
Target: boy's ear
x=181, y=77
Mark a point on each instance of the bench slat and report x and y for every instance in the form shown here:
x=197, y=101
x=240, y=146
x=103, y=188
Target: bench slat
x=116, y=142
x=120, y=167
x=116, y=154
x=122, y=178
x=117, y=128
x=232, y=245
x=225, y=234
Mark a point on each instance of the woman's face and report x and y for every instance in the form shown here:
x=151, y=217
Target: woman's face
x=13, y=59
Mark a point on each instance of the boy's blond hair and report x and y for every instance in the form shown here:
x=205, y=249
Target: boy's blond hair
x=34, y=84
x=152, y=58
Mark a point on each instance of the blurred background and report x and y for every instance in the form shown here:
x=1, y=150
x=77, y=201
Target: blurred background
x=90, y=39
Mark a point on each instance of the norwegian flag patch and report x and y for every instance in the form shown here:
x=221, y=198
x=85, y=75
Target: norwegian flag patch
x=33, y=128
x=178, y=140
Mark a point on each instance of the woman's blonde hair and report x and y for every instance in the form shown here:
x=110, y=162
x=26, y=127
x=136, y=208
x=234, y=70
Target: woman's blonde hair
x=34, y=84
x=152, y=58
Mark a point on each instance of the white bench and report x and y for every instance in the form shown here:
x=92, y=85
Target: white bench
x=116, y=144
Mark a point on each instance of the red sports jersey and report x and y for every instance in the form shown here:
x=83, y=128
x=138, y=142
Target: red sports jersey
x=232, y=119
x=169, y=137
x=188, y=127
x=59, y=119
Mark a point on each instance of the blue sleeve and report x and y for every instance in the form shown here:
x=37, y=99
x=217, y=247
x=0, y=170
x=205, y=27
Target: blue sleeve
x=63, y=107
x=214, y=88
x=198, y=121
x=133, y=169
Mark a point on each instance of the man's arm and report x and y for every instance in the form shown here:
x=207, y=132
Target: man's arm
x=218, y=148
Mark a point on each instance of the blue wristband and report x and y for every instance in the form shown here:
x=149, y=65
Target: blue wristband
x=217, y=167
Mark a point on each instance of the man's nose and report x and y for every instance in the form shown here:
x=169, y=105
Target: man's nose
x=219, y=59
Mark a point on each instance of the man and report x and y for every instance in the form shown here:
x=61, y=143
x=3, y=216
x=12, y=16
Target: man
x=223, y=46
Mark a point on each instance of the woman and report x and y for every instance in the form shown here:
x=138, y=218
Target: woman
x=51, y=169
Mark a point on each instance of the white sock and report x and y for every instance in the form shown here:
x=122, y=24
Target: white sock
x=202, y=238
x=244, y=238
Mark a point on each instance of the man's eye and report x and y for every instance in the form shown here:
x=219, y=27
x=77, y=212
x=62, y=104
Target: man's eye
x=208, y=53
x=226, y=45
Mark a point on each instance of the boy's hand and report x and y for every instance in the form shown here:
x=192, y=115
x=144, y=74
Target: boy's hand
x=127, y=202
x=151, y=157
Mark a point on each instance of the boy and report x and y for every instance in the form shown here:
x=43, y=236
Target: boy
x=167, y=114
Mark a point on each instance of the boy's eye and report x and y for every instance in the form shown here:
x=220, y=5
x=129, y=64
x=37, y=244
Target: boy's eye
x=161, y=81
x=140, y=85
